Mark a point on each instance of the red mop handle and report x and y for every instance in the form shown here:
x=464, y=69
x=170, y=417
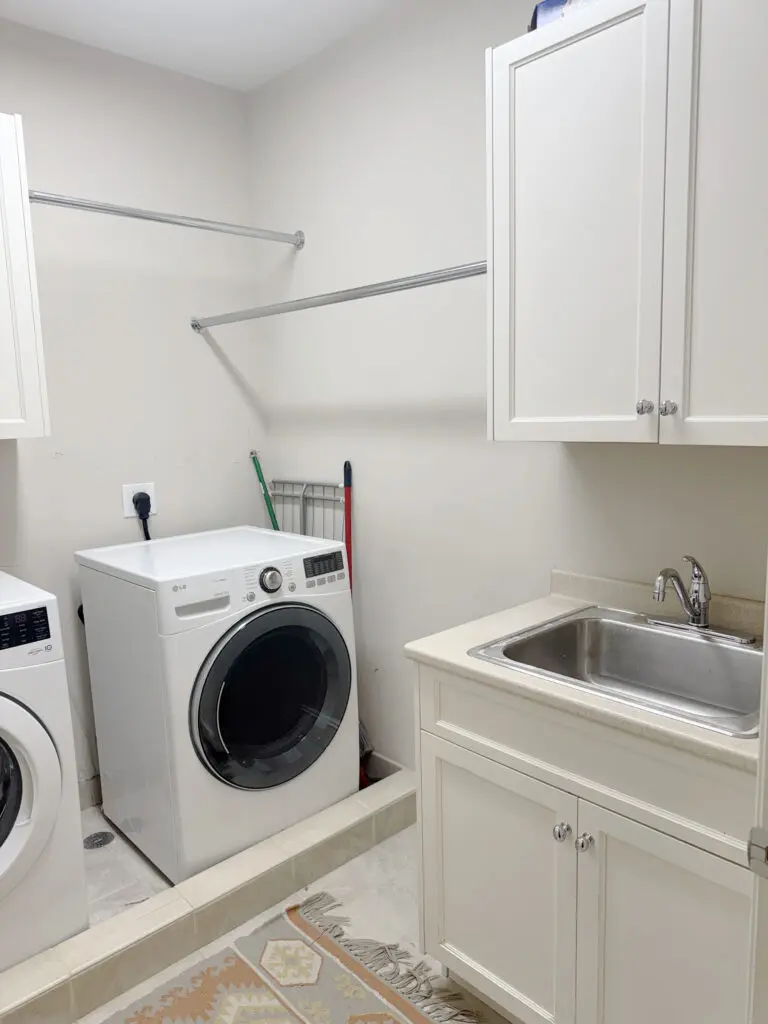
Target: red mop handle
x=348, y=517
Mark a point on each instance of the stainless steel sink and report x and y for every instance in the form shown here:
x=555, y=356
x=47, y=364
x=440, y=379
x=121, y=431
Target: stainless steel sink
x=686, y=675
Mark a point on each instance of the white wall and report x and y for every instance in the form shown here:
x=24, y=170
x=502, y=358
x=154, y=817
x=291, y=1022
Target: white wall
x=135, y=395
x=376, y=148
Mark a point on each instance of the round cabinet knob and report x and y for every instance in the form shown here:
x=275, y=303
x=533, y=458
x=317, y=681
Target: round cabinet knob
x=584, y=842
x=645, y=407
x=562, y=831
x=668, y=408
x=271, y=580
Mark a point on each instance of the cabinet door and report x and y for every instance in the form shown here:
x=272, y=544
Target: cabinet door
x=714, y=352
x=23, y=398
x=663, y=928
x=577, y=116
x=499, y=891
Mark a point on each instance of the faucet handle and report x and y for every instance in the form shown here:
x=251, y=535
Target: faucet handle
x=698, y=576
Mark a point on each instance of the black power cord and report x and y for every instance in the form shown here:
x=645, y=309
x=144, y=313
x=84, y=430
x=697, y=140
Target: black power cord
x=143, y=505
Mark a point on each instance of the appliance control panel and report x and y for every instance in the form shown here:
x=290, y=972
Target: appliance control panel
x=24, y=627
x=193, y=601
x=286, y=577
x=325, y=570
x=321, y=565
x=30, y=634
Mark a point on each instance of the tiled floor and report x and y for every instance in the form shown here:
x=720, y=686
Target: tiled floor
x=379, y=892
x=117, y=875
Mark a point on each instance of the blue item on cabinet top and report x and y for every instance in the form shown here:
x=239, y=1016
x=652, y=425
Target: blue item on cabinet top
x=546, y=11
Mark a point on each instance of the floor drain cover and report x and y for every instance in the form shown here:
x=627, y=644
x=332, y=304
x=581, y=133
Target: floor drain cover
x=97, y=839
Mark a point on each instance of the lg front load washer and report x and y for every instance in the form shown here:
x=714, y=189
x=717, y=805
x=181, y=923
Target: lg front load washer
x=224, y=688
x=42, y=870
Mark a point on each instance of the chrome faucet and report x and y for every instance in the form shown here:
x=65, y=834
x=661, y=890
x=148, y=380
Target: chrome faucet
x=696, y=602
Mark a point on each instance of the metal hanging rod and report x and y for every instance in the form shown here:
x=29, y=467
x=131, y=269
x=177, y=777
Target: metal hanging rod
x=49, y=199
x=399, y=284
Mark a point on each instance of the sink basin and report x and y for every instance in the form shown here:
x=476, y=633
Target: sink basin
x=684, y=675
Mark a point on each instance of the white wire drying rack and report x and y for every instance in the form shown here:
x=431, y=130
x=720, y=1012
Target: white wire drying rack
x=311, y=509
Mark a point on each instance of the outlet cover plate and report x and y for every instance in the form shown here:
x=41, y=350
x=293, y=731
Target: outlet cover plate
x=129, y=512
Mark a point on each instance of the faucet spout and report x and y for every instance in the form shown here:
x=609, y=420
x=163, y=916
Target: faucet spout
x=660, y=590
x=695, y=602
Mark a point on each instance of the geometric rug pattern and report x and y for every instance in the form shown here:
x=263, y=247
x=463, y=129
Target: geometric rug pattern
x=300, y=968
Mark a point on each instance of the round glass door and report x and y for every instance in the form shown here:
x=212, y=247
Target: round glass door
x=270, y=697
x=10, y=790
x=30, y=791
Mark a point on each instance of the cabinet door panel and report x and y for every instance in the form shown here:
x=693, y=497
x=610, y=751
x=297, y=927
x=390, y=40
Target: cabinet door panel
x=577, y=182
x=23, y=399
x=499, y=891
x=714, y=355
x=663, y=928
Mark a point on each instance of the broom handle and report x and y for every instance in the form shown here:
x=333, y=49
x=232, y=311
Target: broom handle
x=265, y=490
x=348, y=516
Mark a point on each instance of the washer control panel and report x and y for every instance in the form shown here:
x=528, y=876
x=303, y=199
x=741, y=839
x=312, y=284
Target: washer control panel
x=24, y=627
x=30, y=633
x=192, y=601
x=322, y=565
x=322, y=570
x=299, y=575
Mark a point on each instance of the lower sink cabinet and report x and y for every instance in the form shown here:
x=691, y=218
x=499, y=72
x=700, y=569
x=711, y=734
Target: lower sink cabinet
x=626, y=926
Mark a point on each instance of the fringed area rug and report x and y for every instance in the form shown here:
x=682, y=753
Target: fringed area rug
x=302, y=968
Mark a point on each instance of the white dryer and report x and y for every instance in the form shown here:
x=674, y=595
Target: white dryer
x=224, y=688
x=42, y=871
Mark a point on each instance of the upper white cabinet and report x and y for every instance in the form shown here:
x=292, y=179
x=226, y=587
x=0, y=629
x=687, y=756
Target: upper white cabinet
x=23, y=396
x=714, y=352
x=628, y=226
x=576, y=226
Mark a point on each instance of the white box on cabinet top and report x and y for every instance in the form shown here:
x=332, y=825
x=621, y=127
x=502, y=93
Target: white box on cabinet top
x=23, y=395
x=627, y=226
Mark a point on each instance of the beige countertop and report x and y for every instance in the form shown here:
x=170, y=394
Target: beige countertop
x=448, y=651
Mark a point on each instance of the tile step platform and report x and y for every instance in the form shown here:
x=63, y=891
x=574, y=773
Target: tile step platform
x=70, y=980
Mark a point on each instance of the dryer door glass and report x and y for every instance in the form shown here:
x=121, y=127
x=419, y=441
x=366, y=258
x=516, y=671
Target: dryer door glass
x=10, y=791
x=271, y=697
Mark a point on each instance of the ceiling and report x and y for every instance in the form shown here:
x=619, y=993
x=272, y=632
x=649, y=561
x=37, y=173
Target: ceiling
x=236, y=43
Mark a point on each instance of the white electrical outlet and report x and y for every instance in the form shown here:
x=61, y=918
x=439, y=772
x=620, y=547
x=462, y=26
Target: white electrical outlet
x=129, y=512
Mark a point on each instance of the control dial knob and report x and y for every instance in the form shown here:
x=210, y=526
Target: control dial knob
x=271, y=580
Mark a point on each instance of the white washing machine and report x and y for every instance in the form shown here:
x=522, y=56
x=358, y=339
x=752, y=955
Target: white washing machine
x=224, y=688
x=42, y=871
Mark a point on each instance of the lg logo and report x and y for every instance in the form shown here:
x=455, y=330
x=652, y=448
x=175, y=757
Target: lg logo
x=179, y=586
x=40, y=650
